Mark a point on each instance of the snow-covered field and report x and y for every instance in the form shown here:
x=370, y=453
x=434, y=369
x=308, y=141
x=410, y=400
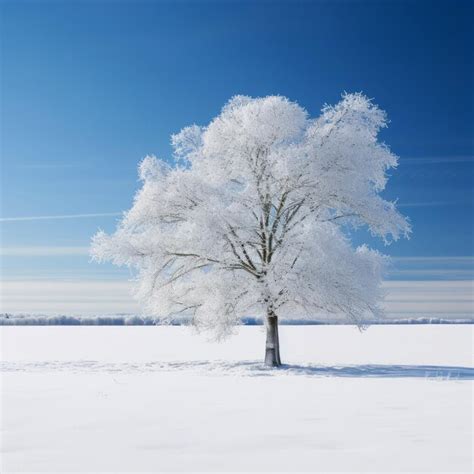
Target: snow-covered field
x=134, y=399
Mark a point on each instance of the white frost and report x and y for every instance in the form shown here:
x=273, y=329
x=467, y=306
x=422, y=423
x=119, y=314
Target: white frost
x=250, y=221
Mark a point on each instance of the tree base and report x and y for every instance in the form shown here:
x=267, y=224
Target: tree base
x=270, y=358
x=272, y=345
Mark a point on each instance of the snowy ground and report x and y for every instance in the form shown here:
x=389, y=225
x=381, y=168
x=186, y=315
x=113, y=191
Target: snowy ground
x=95, y=399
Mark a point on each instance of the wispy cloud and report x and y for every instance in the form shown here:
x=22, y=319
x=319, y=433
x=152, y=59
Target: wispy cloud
x=42, y=251
x=62, y=216
x=430, y=203
x=67, y=297
x=431, y=298
x=50, y=165
x=439, y=268
x=435, y=273
x=435, y=160
x=455, y=260
x=403, y=298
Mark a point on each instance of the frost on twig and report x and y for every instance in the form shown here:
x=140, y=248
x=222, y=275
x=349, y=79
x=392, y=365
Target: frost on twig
x=250, y=220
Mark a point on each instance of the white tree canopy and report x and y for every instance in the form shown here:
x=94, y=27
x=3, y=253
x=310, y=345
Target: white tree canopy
x=250, y=220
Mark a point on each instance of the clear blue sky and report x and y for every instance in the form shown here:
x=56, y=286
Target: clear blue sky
x=90, y=87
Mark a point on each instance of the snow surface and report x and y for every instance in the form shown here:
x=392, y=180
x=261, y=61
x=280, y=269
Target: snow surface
x=393, y=398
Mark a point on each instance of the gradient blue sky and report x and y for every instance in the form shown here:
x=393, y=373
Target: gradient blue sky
x=90, y=87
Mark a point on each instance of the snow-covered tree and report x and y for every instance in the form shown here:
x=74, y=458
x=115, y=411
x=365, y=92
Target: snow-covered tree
x=251, y=218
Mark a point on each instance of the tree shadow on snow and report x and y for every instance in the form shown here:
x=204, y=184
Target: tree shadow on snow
x=384, y=371
x=245, y=368
x=254, y=368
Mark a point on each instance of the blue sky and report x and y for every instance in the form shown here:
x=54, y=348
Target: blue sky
x=90, y=87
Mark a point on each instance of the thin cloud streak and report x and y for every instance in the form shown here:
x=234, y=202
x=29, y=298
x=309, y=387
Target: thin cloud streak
x=436, y=160
x=431, y=204
x=63, y=216
x=42, y=251
x=441, y=267
x=447, y=299
x=453, y=259
x=50, y=166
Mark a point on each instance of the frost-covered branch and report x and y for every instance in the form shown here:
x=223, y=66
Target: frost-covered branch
x=251, y=219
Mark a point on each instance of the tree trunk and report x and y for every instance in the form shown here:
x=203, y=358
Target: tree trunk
x=272, y=346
